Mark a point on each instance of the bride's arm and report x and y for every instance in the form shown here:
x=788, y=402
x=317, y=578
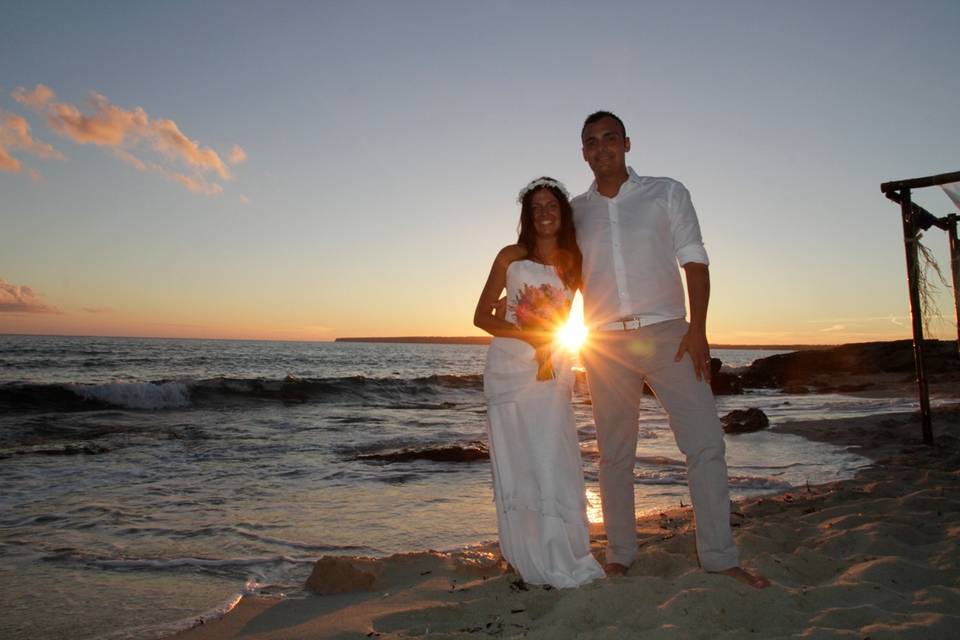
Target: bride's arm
x=483, y=316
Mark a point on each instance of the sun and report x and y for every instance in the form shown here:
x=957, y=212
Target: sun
x=573, y=334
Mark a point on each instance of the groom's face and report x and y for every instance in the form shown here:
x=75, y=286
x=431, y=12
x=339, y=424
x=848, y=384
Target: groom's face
x=605, y=147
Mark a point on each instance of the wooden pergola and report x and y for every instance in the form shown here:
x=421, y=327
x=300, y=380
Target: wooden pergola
x=915, y=219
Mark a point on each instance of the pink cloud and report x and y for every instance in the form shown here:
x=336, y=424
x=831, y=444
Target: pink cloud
x=108, y=125
x=197, y=184
x=35, y=99
x=237, y=155
x=105, y=124
x=8, y=162
x=167, y=139
x=131, y=159
x=21, y=299
x=15, y=134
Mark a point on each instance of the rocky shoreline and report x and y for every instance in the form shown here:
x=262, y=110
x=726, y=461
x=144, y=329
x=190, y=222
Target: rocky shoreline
x=848, y=368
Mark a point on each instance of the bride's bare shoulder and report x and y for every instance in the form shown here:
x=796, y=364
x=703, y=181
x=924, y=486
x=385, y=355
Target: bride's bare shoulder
x=511, y=253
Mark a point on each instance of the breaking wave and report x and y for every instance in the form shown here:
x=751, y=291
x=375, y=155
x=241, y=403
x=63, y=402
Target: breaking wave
x=426, y=392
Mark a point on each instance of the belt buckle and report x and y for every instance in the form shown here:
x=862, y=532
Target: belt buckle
x=628, y=323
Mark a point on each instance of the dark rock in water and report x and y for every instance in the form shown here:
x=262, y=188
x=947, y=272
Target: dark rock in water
x=726, y=384
x=722, y=382
x=745, y=421
x=65, y=450
x=865, y=358
x=467, y=453
x=851, y=388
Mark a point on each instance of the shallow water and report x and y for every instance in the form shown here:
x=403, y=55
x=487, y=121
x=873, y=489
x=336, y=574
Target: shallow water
x=153, y=480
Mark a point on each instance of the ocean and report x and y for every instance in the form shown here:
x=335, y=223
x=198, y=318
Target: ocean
x=146, y=482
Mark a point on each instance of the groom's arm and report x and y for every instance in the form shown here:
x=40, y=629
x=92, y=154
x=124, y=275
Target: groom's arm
x=695, y=342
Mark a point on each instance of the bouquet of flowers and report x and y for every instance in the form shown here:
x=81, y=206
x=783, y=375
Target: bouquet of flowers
x=543, y=308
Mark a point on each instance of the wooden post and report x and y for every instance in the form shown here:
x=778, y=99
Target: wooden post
x=916, y=312
x=955, y=268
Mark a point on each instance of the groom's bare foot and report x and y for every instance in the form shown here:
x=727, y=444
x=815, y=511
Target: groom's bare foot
x=739, y=573
x=615, y=569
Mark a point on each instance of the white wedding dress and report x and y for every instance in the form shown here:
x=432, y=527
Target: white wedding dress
x=535, y=454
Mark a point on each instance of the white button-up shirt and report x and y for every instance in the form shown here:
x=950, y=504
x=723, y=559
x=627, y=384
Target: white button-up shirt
x=631, y=246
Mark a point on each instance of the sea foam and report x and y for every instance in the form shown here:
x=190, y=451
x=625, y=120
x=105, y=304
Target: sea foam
x=137, y=395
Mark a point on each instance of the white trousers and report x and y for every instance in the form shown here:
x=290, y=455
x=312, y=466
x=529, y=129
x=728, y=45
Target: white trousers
x=617, y=363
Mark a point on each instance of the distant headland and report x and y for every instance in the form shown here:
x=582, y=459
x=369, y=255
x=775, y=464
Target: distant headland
x=483, y=340
x=424, y=339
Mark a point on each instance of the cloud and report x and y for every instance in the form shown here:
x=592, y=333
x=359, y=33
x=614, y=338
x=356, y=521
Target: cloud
x=237, y=155
x=35, y=99
x=98, y=310
x=21, y=299
x=197, y=184
x=8, y=162
x=167, y=139
x=836, y=327
x=108, y=125
x=132, y=160
x=244, y=199
x=15, y=134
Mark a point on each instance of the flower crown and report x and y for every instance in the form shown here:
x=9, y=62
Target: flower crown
x=542, y=182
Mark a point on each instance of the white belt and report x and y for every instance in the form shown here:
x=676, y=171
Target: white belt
x=631, y=323
x=624, y=324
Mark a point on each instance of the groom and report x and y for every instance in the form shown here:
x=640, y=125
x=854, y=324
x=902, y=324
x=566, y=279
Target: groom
x=633, y=231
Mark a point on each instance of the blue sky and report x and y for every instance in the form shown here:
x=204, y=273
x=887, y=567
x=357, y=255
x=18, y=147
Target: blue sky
x=385, y=143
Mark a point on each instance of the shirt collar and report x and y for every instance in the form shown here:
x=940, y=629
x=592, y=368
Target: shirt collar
x=631, y=177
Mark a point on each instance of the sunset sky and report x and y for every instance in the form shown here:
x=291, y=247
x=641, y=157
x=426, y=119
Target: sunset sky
x=307, y=171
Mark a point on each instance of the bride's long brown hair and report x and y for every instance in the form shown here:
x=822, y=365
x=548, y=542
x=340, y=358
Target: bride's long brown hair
x=569, y=262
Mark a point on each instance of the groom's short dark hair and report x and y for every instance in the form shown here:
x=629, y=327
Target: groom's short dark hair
x=599, y=115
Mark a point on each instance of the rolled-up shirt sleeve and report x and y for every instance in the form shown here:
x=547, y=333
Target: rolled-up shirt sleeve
x=684, y=227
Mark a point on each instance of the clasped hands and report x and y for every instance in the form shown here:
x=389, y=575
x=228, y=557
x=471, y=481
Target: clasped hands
x=534, y=338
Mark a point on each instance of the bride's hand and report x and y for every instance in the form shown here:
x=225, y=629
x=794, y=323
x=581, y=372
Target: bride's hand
x=536, y=338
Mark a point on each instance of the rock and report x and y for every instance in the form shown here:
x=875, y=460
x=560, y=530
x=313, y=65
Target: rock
x=466, y=453
x=66, y=450
x=864, y=358
x=745, y=421
x=338, y=575
x=721, y=382
x=796, y=389
x=726, y=384
x=852, y=388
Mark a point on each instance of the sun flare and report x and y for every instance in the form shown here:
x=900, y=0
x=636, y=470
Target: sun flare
x=574, y=333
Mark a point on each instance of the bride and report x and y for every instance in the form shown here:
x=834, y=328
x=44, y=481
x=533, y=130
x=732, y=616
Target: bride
x=537, y=478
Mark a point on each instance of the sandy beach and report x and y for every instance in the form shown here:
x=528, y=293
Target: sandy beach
x=875, y=556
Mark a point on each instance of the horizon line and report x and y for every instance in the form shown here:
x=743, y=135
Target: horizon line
x=478, y=340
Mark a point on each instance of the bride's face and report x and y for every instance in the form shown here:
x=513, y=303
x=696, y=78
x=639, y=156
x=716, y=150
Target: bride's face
x=546, y=213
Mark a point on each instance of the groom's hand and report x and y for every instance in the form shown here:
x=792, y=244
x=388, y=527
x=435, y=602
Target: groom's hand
x=695, y=343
